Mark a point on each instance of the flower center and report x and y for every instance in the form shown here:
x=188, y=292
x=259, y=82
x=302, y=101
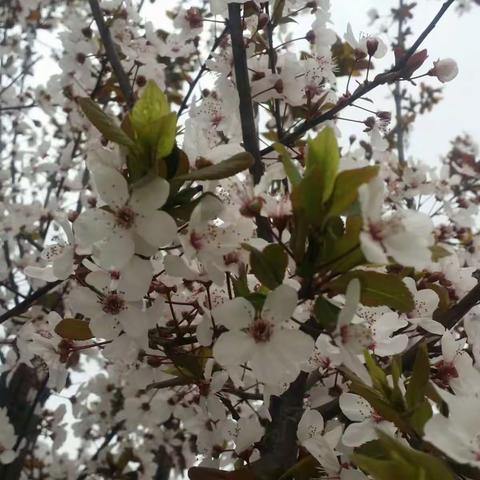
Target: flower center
x=196, y=240
x=113, y=304
x=261, y=330
x=446, y=371
x=125, y=217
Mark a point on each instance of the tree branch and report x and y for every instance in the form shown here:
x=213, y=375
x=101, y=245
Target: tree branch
x=28, y=302
x=111, y=52
x=387, y=77
x=203, y=68
x=247, y=116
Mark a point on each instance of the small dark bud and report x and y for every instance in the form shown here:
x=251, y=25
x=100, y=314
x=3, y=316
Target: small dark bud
x=372, y=46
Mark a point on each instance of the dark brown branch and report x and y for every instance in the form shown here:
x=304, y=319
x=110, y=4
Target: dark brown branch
x=453, y=315
x=397, y=92
x=22, y=307
x=247, y=116
x=389, y=76
x=111, y=52
x=18, y=107
x=446, y=5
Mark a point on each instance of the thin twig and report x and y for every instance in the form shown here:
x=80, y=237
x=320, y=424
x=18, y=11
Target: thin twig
x=28, y=302
x=111, y=52
x=203, y=68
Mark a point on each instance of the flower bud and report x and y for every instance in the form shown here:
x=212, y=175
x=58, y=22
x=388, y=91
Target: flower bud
x=445, y=70
x=372, y=46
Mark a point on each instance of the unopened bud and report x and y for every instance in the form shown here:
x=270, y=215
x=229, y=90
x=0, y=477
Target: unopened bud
x=445, y=70
x=310, y=36
x=372, y=46
x=263, y=20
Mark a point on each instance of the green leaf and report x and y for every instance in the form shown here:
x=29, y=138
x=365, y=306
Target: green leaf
x=400, y=462
x=439, y=252
x=325, y=313
x=417, y=386
x=385, y=469
x=420, y=416
x=434, y=468
x=147, y=112
x=277, y=11
x=290, y=169
x=381, y=405
x=304, y=469
x=323, y=155
x=105, y=124
x=345, y=191
x=377, y=374
x=224, y=169
x=343, y=253
x=378, y=289
x=299, y=236
x=307, y=197
x=73, y=329
x=269, y=265
x=166, y=135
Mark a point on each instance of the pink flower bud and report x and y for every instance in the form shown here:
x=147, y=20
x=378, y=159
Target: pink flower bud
x=372, y=46
x=445, y=70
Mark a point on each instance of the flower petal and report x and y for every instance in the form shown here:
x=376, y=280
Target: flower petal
x=280, y=304
x=151, y=196
x=234, y=314
x=233, y=348
x=111, y=185
x=157, y=228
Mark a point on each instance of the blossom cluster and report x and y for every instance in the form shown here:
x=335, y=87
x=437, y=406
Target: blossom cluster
x=204, y=304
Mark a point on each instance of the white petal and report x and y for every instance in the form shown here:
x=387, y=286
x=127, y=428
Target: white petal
x=354, y=407
x=391, y=346
x=157, y=228
x=372, y=249
x=352, y=299
x=111, y=185
x=42, y=273
x=205, y=331
x=151, y=196
x=177, y=267
x=280, y=304
x=407, y=250
x=104, y=326
x=233, y=348
x=135, y=279
x=357, y=434
x=449, y=346
x=431, y=326
x=116, y=251
x=99, y=279
x=209, y=208
x=83, y=300
x=93, y=225
x=311, y=422
x=234, y=314
x=294, y=346
x=268, y=366
x=8, y=456
x=63, y=265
